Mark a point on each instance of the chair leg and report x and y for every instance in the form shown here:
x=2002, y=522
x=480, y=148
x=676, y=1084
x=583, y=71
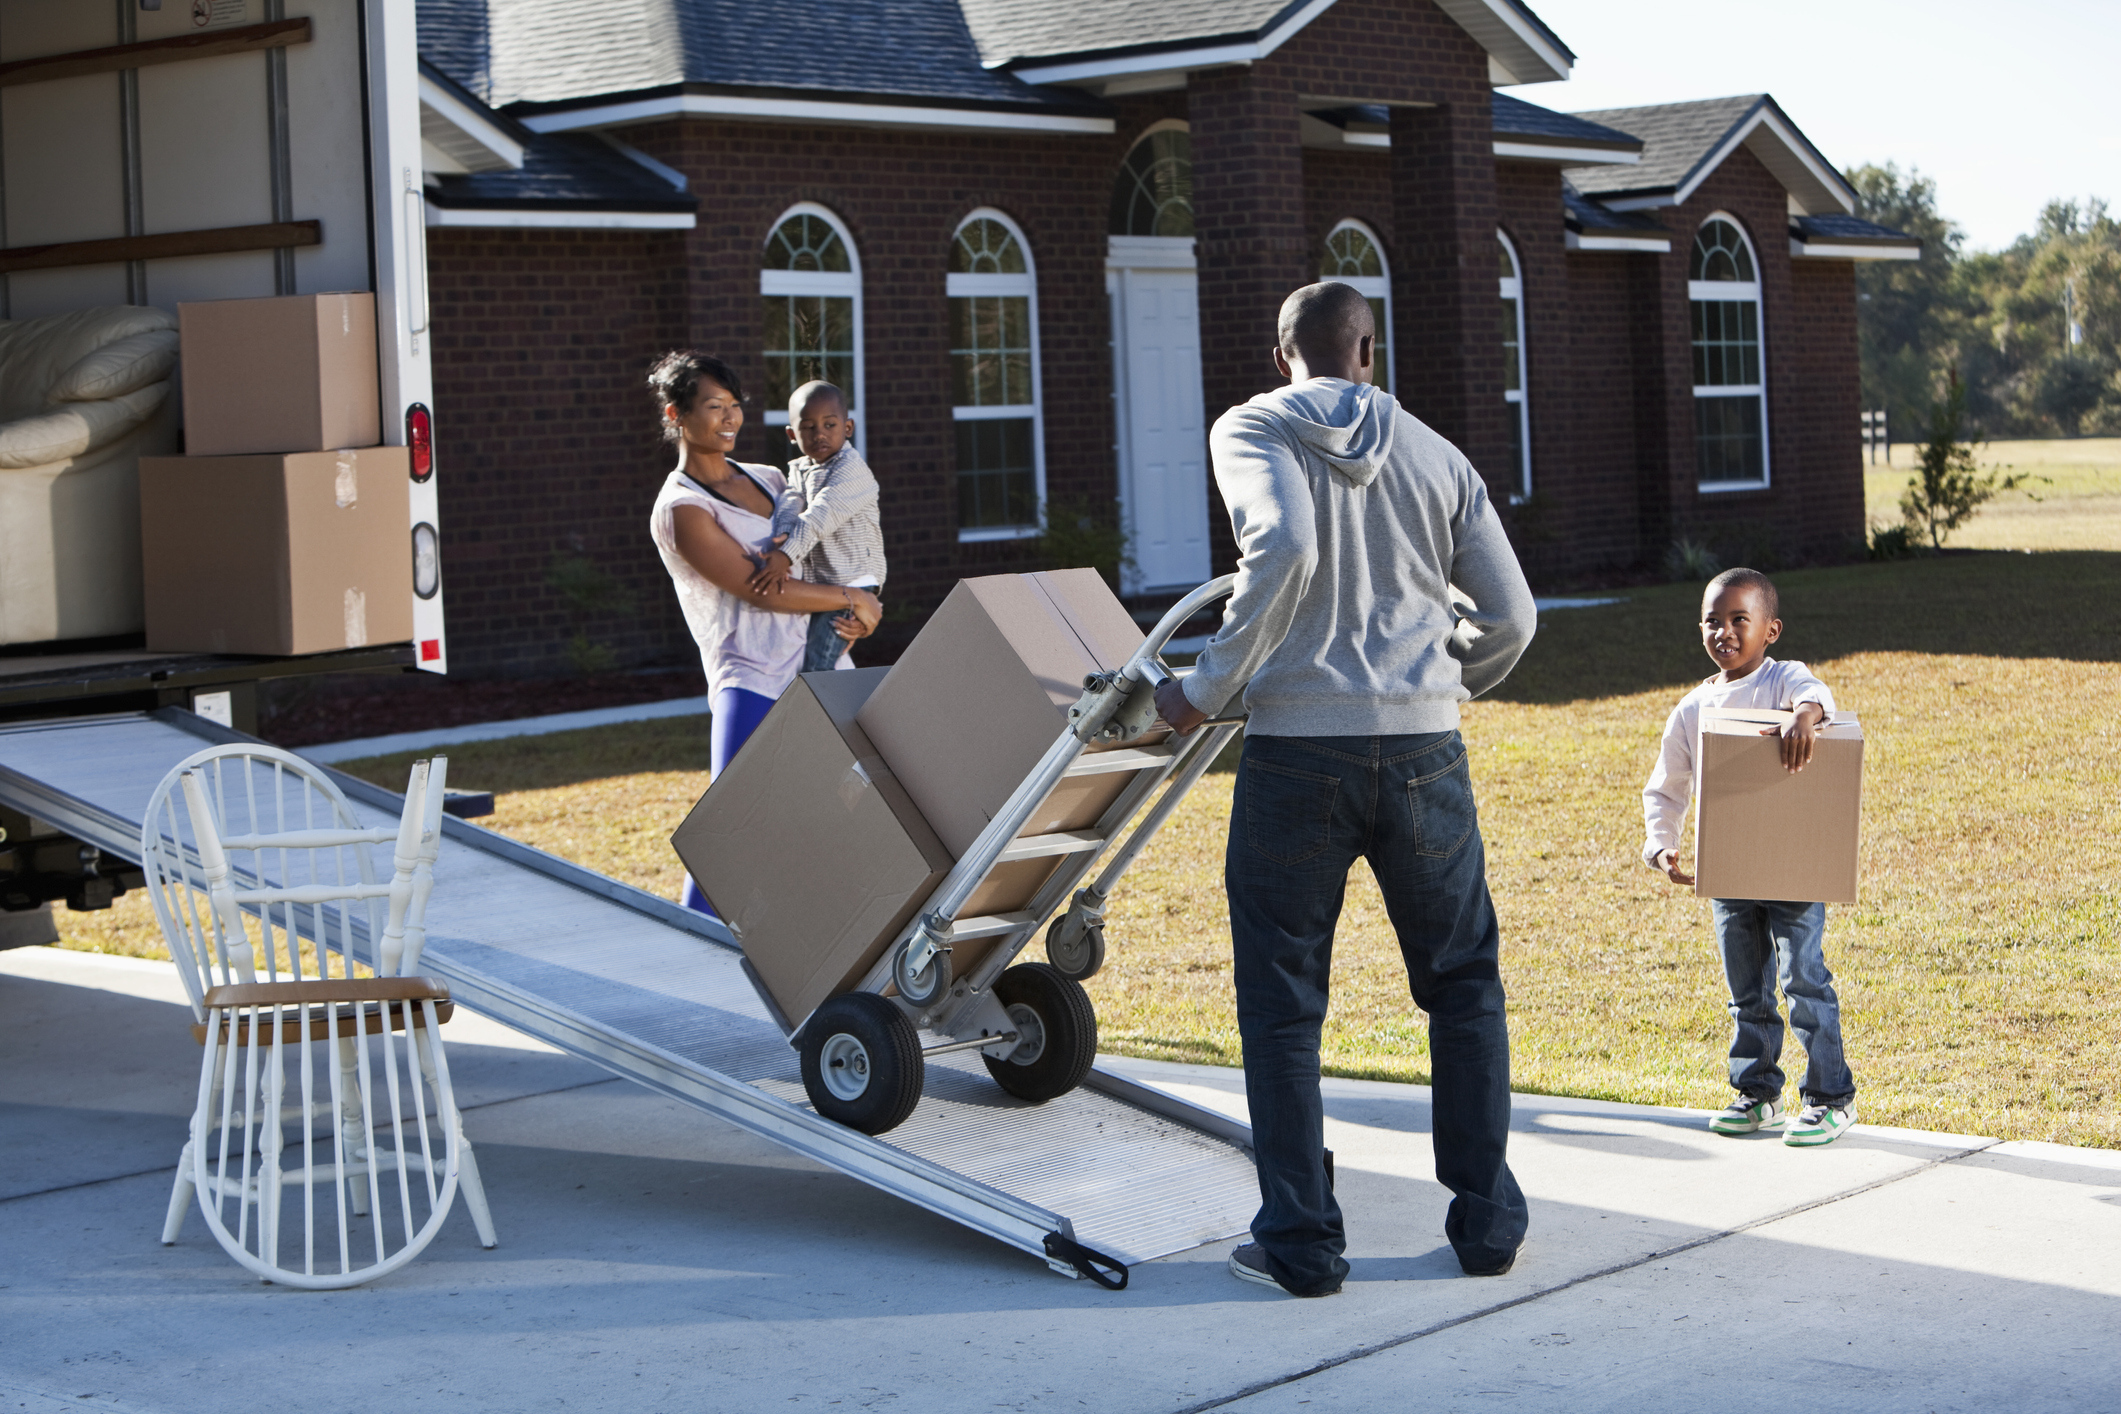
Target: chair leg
x=350, y=1129
x=180, y=1196
x=272, y=1133
x=467, y=1164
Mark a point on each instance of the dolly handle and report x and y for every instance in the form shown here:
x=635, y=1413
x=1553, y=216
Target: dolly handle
x=1144, y=665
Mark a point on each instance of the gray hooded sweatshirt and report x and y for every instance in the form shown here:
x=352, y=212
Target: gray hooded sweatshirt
x=1354, y=522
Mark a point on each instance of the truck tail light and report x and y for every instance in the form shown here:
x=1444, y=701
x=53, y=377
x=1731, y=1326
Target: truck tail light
x=420, y=440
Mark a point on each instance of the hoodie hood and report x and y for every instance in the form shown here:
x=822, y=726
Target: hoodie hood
x=1347, y=425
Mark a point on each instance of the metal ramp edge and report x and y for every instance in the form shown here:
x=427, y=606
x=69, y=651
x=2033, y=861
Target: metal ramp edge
x=934, y=1186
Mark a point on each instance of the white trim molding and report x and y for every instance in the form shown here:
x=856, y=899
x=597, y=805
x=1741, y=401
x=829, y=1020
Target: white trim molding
x=1150, y=253
x=1619, y=241
x=1566, y=156
x=520, y=218
x=1831, y=250
x=462, y=133
x=812, y=110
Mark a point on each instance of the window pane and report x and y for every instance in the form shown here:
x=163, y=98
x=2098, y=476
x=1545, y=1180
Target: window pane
x=1720, y=254
x=985, y=247
x=1726, y=343
x=996, y=479
x=1727, y=438
x=806, y=243
x=1154, y=193
x=807, y=336
x=990, y=350
x=1510, y=360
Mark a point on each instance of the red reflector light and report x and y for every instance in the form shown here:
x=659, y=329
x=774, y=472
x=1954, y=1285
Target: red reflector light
x=420, y=440
x=430, y=649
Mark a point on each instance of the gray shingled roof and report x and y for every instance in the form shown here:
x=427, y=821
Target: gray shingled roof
x=1580, y=213
x=1849, y=230
x=528, y=54
x=1011, y=30
x=1516, y=118
x=1676, y=139
x=563, y=172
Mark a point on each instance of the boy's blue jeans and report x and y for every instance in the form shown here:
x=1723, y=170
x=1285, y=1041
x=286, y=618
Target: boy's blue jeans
x=822, y=648
x=1305, y=809
x=1763, y=944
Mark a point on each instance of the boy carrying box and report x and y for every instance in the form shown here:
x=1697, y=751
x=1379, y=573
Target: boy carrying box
x=1761, y=940
x=826, y=522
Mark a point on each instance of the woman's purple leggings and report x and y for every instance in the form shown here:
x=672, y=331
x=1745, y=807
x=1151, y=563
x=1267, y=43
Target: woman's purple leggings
x=737, y=714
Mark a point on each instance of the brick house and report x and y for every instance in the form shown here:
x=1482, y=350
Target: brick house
x=1043, y=245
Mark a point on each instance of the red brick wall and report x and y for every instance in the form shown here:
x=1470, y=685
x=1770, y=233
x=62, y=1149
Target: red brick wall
x=546, y=442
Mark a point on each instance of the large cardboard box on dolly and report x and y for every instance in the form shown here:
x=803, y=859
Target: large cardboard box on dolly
x=984, y=690
x=288, y=373
x=1761, y=832
x=811, y=849
x=277, y=554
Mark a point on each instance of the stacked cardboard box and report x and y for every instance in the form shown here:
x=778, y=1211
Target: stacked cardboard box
x=286, y=527
x=846, y=808
x=1762, y=832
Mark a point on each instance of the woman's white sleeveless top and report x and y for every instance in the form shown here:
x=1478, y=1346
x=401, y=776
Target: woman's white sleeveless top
x=740, y=646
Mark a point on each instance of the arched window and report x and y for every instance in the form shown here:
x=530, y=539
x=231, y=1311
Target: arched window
x=1154, y=193
x=1730, y=389
x=810, y=281
x=993, y=294
x=1517, y=404
x=1355, y=257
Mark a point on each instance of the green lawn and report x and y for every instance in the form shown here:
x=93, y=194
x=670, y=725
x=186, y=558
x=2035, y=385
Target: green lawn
x=1979, y=974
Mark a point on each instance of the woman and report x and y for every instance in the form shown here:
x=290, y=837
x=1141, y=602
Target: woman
x=713, y=516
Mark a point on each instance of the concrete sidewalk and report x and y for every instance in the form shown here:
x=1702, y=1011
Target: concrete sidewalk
x=654, y=1259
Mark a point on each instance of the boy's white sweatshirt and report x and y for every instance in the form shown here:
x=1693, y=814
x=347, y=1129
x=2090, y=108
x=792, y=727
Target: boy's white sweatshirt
x=1781, y=687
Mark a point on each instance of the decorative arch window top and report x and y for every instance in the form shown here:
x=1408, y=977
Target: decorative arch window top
x=1351, y=255
x=984, y=246
x=1154, y=193
x=806, y=242
x=1721, y=254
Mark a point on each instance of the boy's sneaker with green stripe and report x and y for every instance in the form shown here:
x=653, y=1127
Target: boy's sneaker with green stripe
x=1746, y=1114
x=1820, y=1124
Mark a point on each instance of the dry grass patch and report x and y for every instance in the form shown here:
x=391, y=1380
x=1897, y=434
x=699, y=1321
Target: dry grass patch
x=2077, y=506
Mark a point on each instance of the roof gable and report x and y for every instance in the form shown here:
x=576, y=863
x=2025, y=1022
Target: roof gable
x=1683, y=143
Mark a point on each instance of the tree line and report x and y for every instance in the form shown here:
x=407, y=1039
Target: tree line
x=2032, y=332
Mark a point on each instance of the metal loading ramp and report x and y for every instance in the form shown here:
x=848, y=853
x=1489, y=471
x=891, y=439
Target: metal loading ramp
x=656, y=993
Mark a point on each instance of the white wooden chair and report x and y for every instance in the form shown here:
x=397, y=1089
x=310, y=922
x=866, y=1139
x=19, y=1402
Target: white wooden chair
x=261, y=876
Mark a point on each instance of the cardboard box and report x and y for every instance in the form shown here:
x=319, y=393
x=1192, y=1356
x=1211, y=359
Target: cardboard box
x=1761, y=832
x=980, y=695
x=292, y=373
x=277, y=554
x=813, y=852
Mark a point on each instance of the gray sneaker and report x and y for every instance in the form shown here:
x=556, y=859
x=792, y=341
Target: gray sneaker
x=1249, y=1263
x=1746, y=1114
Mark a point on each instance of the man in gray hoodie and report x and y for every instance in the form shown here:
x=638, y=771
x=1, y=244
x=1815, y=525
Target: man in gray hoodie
x=1354, y=522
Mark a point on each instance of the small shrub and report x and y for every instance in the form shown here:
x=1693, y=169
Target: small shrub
x=589, y=594
x=1690, y=559
x=1893, y=542
x=1948, y=486
x=1081, y=532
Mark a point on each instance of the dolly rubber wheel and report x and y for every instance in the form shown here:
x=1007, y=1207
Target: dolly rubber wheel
x=1058, y=1031
x=1077, y=952
x=862, y=1062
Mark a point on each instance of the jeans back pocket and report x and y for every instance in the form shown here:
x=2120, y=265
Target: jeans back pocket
x=1442, y=805
x=1288, y=813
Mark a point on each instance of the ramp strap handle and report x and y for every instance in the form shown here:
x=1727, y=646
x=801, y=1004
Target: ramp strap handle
x=1105, y=1271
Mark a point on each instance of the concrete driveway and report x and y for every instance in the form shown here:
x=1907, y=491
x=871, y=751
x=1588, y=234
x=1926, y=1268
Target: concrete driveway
x=655, y=1259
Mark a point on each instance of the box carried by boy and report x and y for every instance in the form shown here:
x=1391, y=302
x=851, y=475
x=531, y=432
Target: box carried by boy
x=1761, y=831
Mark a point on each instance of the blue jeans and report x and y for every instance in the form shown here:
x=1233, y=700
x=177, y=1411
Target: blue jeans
x=823, y=645
x=1305, y=810
x=1765, y=943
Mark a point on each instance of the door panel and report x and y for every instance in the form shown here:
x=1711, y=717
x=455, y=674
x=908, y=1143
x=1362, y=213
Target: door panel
x=1165, y=488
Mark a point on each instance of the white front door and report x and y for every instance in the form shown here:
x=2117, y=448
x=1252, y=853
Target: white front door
x=1163, y=439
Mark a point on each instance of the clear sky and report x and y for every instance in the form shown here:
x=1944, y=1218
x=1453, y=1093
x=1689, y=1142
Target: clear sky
x=1977, y=95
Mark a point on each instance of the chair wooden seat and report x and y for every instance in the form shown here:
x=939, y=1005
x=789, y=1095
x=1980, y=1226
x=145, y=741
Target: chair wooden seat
x=333, y=1007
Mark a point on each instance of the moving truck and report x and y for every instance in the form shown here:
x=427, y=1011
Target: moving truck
x=160, y=152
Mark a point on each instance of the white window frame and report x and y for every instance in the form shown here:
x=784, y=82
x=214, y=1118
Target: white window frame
x=1372, y=287
x=821, y=282
x=1732, y=292
x=1511, y=287
x=960, y=286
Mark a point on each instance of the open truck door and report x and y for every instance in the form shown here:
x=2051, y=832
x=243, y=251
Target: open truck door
x=160, y=151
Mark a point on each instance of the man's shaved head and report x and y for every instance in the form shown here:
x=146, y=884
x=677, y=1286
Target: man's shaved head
x=1323, y=323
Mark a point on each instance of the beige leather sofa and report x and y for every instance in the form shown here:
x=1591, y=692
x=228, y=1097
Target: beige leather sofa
x=83, y=396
